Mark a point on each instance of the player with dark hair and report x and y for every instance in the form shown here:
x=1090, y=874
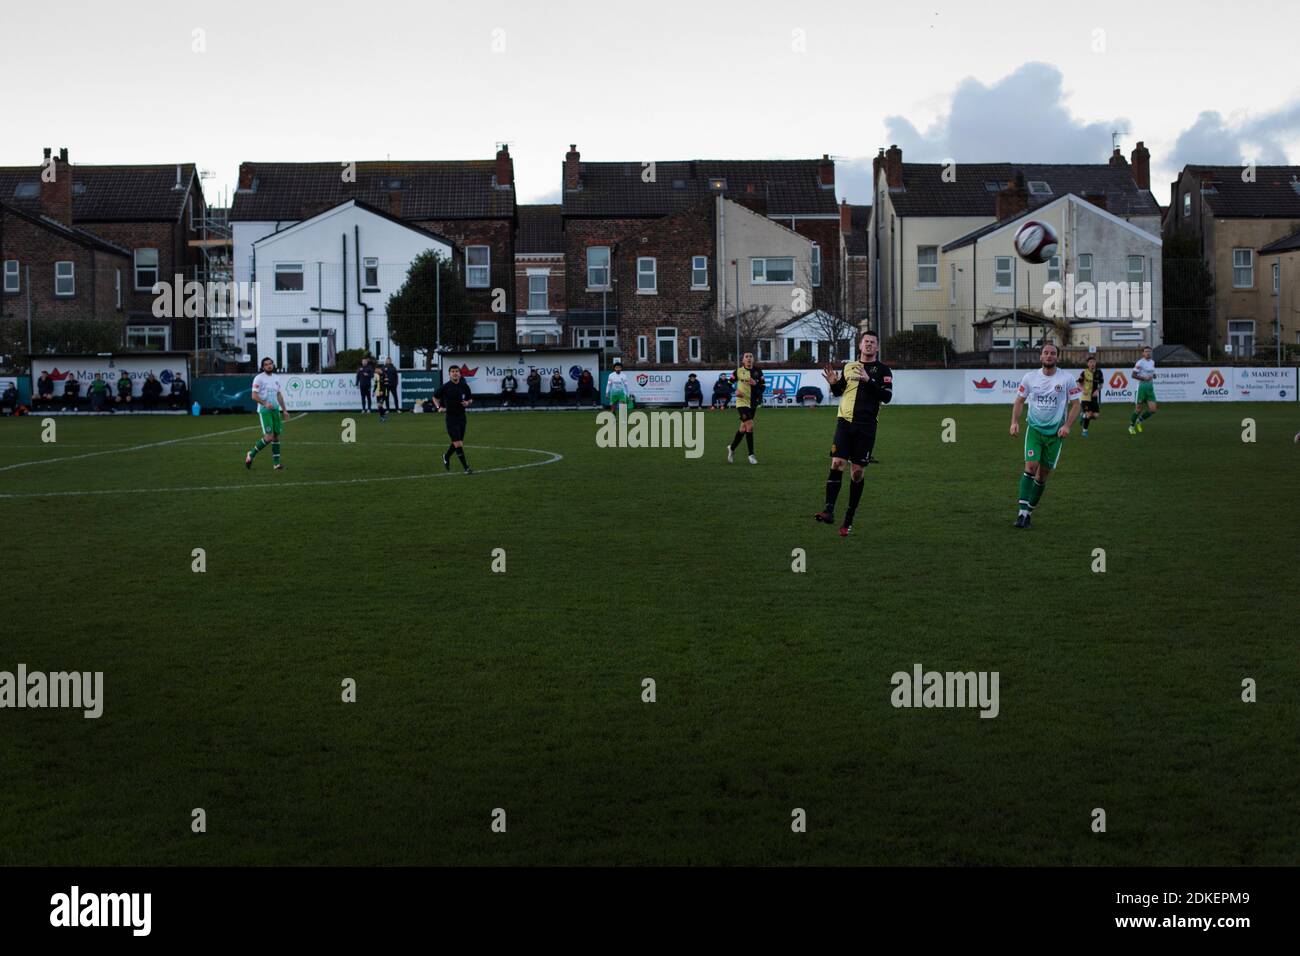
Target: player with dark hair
x=269, y=395
x=1090, y=381
x=1053, y=399
x=749, y=395
x=863, y=386
x=452, y=399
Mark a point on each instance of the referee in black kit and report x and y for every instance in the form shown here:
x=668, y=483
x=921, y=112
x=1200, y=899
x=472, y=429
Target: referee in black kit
x=452, y=399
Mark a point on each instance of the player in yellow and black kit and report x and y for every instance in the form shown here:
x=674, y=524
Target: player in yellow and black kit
x=381, y=394
x=749, y=396
x=863, y=387
x=1090, y=381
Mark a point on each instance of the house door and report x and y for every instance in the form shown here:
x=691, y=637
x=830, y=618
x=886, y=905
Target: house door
x=1241, y=335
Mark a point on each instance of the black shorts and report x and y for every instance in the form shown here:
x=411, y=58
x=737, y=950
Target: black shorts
x=1094, y=407
x=853, y=442
x=456, y=427
x=746, y=414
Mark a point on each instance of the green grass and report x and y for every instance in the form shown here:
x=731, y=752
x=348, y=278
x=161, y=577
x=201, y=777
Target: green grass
x=523, y=690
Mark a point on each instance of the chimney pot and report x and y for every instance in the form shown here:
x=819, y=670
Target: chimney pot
x=505, y=167
x=1141, y=157
x=826, y=172
x=846, y=217
x=245, y=176
x=572, y=175
x=56, y=191
x=894, y=166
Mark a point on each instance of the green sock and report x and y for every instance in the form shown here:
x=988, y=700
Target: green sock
x=275, y=452
x=1036, y=490
x=1026, y=489
x=261, y=443
x=1134, y=419
x=1145, y=415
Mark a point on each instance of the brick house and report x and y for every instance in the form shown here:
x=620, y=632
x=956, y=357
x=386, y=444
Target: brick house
x=540, y=279
x=644, y=244
x=472, y=203
x=855, y=224
x=1233, y=216
x=151, y=213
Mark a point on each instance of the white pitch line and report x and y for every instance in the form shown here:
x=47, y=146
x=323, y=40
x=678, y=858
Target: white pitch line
x=554, y=456
x=118, y=451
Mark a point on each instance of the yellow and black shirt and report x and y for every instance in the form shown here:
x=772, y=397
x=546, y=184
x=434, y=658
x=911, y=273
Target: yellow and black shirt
x=749, y=387
x=860, y=401
x=1090, y=382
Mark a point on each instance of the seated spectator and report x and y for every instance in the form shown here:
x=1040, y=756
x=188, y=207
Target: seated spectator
x=124, y=389
x=180, y=393
x=586, y=389
x=9, y=399
x=509, y=386
x=44, y=397
x=721, y=392
x=71, y=393
x=534, y=383
x=150, y=392
x=694, y=394
x=101, y=397
x=558, y=390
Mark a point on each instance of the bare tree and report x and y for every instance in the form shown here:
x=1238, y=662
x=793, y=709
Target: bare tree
x=720, y=339
x=826, y=319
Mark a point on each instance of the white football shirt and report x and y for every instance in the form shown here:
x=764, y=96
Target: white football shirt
x=1144, y=370
x=1048, y=397
x=266, y=388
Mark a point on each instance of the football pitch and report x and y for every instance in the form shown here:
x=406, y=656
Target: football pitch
x=515, y=679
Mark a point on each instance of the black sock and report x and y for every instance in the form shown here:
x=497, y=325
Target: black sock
x=749, y=441
x=855, y=495
x=460, y=453
x=833, y=482
x=450, y=450
x=735, y=442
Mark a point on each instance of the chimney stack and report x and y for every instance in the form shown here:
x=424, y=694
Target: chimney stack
x=245, y=176
x=846, y=217
x=894, y=167
x=1141, y=165
x=826, y=172
x=877, y=164
x=1117, y=158
x=572, y=181
x=56, y=188
x=505, y=167
x=1012, y=199
x=395, y=203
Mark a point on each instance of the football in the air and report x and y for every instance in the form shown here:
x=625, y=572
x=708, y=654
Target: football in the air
x=1036, y=241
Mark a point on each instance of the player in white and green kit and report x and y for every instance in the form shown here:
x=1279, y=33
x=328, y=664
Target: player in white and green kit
x=1144, y=373
x=1053, y=399
x=269, y=395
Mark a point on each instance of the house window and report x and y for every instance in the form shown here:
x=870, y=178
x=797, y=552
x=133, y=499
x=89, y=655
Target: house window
x=371, y=277
x=926, y=327
x=595, y=338
x=647, y=278
x=1277, y=278
x=288, y=277
x=11, y=276
x=146, y=269
x=147, y=338
x=642, y=348
x=666, y=346
x=537, y=300
x=1126, y=335
x=1243, y=268
x=598, y=267
x=699, y=272
x=485, y=335
x=1136, y=268
x=117, y=288
x=952, y=283
x=1085, y=267
x=478, y=270
x=1039, y=188
x=765, y=350
x=65, y=280
x=1241, y=336
x=772, y=271
x=816, y=265
x=927, y=267
x=1002, y=274
x=693, y=348
x=1187, y=205
x=1054, y=269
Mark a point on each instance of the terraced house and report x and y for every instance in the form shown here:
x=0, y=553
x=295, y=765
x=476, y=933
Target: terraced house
x=96, y=239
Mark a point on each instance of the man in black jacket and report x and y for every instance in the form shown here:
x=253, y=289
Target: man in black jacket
x=694, y=394
x=150, y=392
x=509, y=386
x=534, y=383
x=721, y=391
x=559, y=394
x=389, y=372
x=180, y=393
x=366, y=384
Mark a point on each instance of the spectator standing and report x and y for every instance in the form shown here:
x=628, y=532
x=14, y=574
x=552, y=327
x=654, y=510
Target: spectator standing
x=389, y=371
x=9, y=399
x=534, y=383
x=366, y=383
x=180, y=393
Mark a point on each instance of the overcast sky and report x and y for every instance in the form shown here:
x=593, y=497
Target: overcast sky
x=127, y=82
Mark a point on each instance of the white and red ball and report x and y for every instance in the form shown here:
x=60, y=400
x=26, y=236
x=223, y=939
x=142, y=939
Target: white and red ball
x=1036, y=241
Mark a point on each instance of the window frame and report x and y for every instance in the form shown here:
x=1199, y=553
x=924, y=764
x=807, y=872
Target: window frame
x=642, y=348
x=1141, y=271
x=755, y=261
x=71, y=277
x=1054, y=268
x=653, y=275
x=607, y=267
x=661, y=338
x=16, y=273
x=287, y=268
x=136, y=267
x=1081, y=269
x=1249, y=268
x=998, y=271
x=369, y=263
x=117, y=289
x=472, y=268
x=699, y=264
x=693, y=348
x=921, y=283
x=476, y=342
x=545, y=293
x=815, y=265
x=1277, y=278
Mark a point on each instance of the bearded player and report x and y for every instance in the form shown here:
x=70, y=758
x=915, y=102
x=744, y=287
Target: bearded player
x=863, y=386
x=1053, y=399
